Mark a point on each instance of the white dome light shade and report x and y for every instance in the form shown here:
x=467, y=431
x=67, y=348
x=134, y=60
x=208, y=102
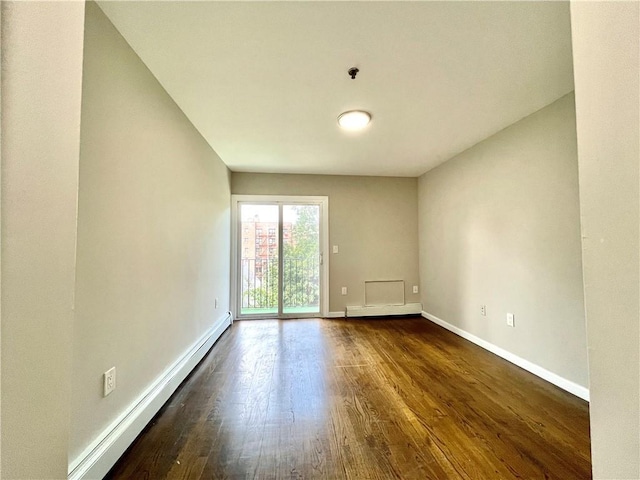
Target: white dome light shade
x=354, y=120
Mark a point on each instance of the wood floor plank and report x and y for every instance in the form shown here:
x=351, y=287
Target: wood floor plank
x=360, y=399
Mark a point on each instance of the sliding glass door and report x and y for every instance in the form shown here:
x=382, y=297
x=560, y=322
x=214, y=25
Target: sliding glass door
x=301, y=258
x=279, y=247
x=259, y=259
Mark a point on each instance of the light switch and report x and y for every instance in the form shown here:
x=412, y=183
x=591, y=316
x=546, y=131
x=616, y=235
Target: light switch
x=335, y=249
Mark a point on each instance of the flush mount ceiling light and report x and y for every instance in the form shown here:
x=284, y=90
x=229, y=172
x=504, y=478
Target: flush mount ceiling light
x=354, y=119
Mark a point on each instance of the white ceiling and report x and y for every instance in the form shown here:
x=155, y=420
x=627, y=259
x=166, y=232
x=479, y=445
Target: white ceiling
x=264, y=81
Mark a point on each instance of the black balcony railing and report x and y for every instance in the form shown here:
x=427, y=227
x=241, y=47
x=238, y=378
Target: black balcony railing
x=301, y=283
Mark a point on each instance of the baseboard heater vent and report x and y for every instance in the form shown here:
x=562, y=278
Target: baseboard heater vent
x=384, y=310
x=101, y=454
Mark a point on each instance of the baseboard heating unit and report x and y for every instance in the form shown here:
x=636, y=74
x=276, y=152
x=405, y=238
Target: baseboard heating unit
x=384, y=310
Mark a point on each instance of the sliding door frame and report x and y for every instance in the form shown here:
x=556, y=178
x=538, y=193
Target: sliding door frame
x=236, y=224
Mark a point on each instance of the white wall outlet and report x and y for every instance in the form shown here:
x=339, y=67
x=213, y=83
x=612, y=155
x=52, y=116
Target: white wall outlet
x=415, y=289
x=335, y=249
x=483, y=310
x=109, y=381
x=344, y=290
x=215, y=303
x=510, y=320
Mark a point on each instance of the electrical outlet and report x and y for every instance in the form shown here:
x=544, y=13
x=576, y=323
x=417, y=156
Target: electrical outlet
x=415, y=289
x=215, y=303
x=344, y=290
x=483, y=310
x=510, y=320
x=109, y=381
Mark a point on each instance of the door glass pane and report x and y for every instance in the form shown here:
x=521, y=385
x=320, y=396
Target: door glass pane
x=301, y=262
x=259, y=259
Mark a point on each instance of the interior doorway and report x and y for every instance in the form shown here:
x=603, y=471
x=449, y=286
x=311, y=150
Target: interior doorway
x=280, y=266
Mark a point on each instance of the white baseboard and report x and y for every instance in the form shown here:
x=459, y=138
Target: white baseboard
x=384, y=310
x=557, y=380
x=334, y=315
x=98, y=458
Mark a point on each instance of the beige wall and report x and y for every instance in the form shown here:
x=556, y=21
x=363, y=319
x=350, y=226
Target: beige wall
x=606, y=52
x=499, y=225
x=373, y=220
x=153, y=232
x=41, y=85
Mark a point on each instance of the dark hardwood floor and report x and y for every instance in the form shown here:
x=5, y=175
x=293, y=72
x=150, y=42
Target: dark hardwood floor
x=362, y=399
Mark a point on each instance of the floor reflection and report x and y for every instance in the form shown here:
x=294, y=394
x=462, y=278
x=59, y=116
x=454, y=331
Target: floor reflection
x=278, y=398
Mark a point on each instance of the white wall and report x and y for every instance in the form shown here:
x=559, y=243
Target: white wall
x=153, y=232
x=373, y=220
x=41, y=93
x=606, y=52
x=499, y=226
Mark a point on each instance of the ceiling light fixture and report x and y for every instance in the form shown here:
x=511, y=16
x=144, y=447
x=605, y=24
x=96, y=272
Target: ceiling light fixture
x=354, y=119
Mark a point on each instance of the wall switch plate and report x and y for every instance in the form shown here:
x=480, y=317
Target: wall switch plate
x=483, y=310
x=415, y=289
x=344, y=290
x=510, y=320
x=335, y=249
x=109, y=381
